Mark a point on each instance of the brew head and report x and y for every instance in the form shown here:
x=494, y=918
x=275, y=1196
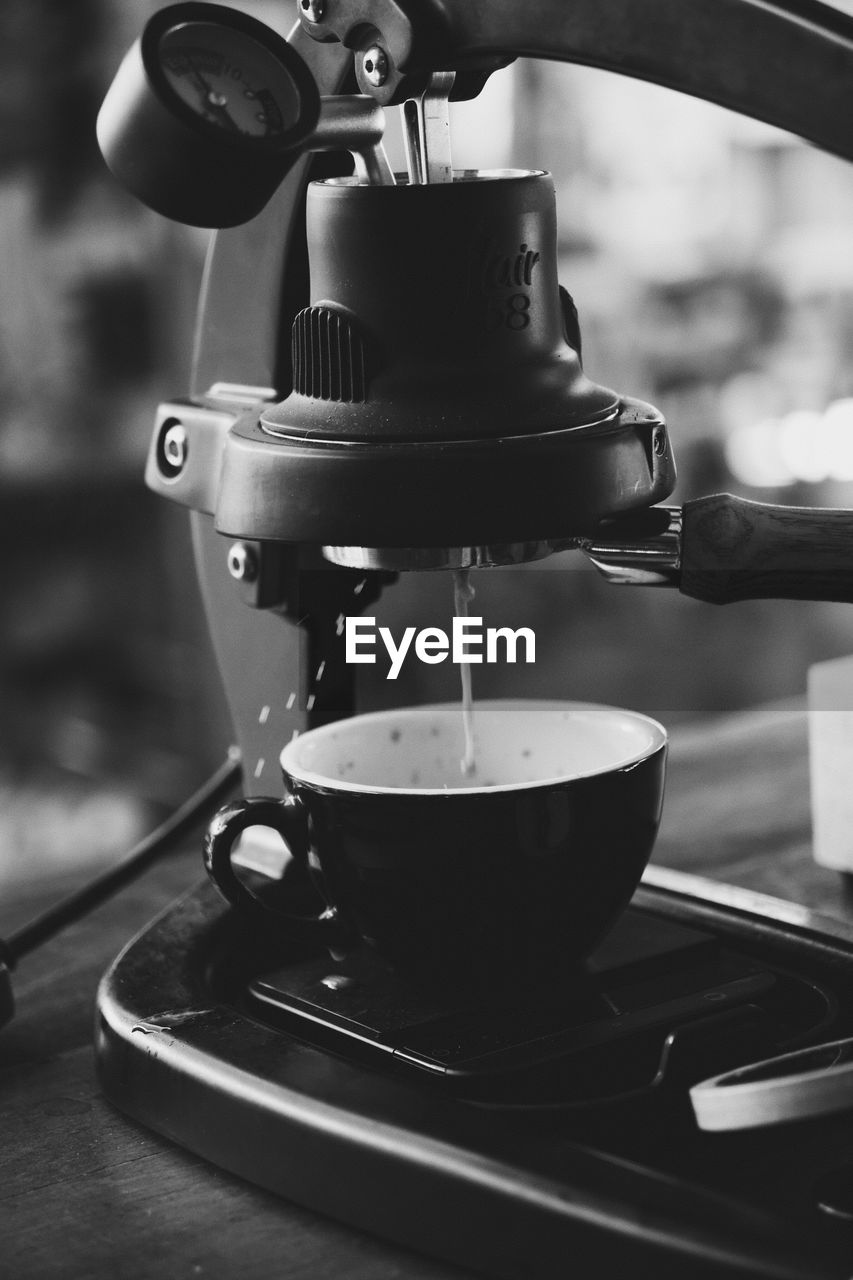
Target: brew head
x=439, y=415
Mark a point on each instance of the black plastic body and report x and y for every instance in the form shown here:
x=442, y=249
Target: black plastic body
x=453, y=313
x=436, y=399
x=525, y=488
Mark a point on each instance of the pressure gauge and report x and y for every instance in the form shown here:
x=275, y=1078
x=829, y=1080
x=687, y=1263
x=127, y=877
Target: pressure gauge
x=206, y=115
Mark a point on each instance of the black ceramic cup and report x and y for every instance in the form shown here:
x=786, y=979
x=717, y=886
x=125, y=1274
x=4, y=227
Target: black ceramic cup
x=512, y=874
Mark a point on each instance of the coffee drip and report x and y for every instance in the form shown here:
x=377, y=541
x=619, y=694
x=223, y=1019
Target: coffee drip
x=463, y=594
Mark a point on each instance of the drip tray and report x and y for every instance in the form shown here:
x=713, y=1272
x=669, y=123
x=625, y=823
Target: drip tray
x=510, y=1132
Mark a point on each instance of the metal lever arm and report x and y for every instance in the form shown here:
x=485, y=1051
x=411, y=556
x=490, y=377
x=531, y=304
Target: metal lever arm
x=355, y=124
x=787, y=62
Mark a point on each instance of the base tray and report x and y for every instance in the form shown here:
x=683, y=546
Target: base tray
x=511, y=1138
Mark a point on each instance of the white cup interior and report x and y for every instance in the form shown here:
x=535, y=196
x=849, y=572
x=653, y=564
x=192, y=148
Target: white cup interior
x=516, y=744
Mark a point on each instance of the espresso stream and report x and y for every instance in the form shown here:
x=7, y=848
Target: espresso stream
x=463, y=594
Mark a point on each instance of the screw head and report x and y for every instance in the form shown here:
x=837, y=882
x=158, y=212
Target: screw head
x=374, y=64
x=242, y=562
x=313, y=10
x=172, y=448
x=175, y=446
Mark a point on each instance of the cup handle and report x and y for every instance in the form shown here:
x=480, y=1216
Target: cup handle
x=289, y=819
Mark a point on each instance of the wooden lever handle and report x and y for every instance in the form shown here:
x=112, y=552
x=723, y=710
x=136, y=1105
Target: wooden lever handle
x=733, y=549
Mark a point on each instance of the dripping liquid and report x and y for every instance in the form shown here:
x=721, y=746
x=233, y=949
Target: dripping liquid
x=463, y=594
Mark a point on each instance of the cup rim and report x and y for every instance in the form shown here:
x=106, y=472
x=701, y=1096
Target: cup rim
x=630, y=761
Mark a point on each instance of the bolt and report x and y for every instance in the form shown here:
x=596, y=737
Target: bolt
x=659, y=442
x=313, y=10
x=242, y=562
x=375, y=66
x=172, y=449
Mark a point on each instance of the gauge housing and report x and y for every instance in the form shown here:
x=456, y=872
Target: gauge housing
x=175, y=158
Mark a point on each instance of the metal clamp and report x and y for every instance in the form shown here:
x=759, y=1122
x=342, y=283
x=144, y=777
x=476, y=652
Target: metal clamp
x=642, y=550
x=426, y=132
x=354, y=123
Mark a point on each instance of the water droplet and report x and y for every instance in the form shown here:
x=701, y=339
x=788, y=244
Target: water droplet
x=264, y=716
x=338, y=982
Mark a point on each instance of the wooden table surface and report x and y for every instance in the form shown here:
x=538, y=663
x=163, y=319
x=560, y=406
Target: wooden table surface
x=85, y=1192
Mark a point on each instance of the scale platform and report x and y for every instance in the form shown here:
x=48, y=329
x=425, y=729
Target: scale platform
x=514, y=1134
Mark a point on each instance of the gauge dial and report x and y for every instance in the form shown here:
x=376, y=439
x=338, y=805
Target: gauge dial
x=230, y=80
x=208, y=112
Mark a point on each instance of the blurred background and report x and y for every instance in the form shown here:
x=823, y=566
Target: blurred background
x=711, y=259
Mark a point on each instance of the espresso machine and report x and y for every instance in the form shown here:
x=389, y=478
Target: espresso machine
x=388, y=379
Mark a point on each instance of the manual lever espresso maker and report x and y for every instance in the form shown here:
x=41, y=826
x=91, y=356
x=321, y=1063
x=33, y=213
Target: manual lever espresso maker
x=407, y=393
x=388, y=378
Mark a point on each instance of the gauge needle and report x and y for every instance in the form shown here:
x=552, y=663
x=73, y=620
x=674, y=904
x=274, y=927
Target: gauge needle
x=213, y=101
